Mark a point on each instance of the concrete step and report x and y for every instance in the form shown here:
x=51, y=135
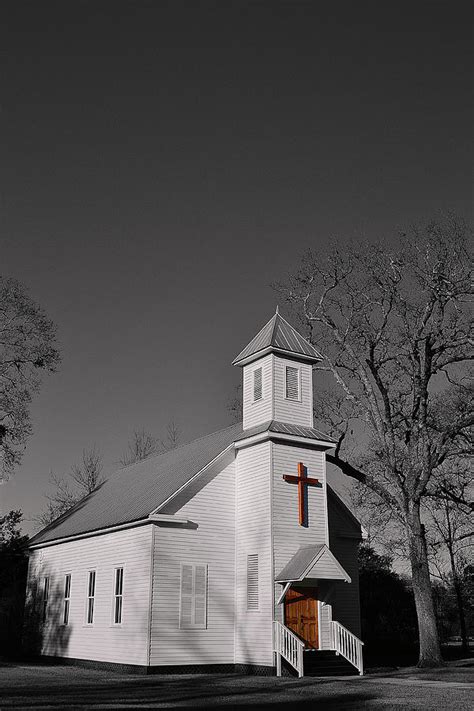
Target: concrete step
x=323, y=663
x=327, y=663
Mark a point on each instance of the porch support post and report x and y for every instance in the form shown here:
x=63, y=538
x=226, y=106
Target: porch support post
x=283, y=593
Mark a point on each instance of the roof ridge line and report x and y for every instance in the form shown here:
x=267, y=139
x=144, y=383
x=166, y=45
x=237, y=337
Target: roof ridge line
x=277, y=314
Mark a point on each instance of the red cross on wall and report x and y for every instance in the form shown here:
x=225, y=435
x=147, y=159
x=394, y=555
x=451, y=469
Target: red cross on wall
x=303, y=482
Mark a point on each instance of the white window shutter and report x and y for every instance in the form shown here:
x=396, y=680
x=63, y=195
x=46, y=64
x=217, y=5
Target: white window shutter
x=186, y=600
x=200, y=596
x=292, y=383
x=193, y=597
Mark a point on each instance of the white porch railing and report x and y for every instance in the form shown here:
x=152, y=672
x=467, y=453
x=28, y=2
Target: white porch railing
x=287, y=645
x=348, y=645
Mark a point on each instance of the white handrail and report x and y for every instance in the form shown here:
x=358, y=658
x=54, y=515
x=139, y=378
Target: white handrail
x=287, y=645
x=348, y=645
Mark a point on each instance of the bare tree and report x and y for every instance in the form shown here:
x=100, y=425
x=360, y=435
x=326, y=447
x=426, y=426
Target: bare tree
x=450, y=534
x=235, y=404
x=143, y=444
x=69, y=490
x=172, y=436
x=382, y=530
x=27, y=349
x=393, y=329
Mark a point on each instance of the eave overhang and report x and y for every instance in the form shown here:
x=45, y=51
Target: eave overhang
x=292, y=355
x=157, y=519
x=290, y=439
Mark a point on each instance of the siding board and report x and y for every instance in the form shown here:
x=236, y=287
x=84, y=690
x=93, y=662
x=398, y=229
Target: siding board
x=101, y=641
x=256, y=412
x=253, y=628
x=288, y=535
x=212, y=543
x=296, y=412
x=346, y=605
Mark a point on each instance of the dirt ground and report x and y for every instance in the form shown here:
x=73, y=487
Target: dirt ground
x=36, y=686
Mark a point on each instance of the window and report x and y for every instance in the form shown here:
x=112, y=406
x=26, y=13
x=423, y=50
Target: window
x=67, y=598
x=90, y=597
x=44, y=600
x=193, y=599
x=252, y=582
x=257, y=384
x=118, y=596
x=292, y=383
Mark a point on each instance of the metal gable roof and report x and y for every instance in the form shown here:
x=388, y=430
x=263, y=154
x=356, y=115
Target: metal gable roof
x=132, y=493
x=286, y=429
x=278, y=335
x=304, y=564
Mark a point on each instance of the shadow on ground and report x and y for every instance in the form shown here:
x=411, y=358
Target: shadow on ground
x=180, y=692
x=40, y=687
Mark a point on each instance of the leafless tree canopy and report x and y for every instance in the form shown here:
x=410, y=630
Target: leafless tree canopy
x=27, y=349
x=394, y=331
x=68, y=490
x=143, y=444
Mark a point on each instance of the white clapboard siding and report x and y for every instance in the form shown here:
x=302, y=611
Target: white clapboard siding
x=345, y=605
x=297, y=412
x=288, y=535
x=101, y=641
x=253, y=628
x=211, y=543
x=258, y=411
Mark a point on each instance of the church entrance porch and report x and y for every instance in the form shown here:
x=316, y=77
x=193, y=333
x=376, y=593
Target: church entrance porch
x=301, y=615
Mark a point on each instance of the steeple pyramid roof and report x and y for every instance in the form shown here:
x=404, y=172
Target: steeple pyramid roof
x=280, y=337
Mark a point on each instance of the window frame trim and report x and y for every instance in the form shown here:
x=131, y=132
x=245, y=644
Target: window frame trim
x=64, y=622
x=254, y=371
x=298, y=371
x=45, y=598
x=88, y=598
x=117, y=566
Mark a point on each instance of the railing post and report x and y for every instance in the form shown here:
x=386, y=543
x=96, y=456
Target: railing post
x=286, y=644
x=348, y=645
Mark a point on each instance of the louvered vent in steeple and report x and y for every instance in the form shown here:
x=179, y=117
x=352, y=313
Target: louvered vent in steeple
x=292, y=383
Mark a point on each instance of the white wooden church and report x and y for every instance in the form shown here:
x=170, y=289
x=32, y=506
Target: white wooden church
x=228, y=553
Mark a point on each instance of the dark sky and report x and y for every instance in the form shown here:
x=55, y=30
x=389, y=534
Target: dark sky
x=163, y=163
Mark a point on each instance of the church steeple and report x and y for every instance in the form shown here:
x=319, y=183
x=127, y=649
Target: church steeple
x=277, y=375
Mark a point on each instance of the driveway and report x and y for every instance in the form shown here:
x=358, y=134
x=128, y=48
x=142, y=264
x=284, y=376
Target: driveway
x=35, y=686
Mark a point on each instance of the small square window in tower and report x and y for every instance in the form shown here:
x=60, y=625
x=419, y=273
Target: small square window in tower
x=257, y=384
x=292, y=389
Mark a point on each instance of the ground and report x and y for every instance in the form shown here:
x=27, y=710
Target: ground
x=41, y=687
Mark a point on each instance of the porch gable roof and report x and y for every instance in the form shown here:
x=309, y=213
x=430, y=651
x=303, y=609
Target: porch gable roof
x=316, y=562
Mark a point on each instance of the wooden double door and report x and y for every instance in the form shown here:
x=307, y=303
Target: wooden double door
x=301, y=615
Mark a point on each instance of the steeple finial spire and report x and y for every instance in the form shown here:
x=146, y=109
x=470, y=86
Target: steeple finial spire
x=277, y=311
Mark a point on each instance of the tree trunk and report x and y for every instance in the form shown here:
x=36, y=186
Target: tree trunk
x=430, y=651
